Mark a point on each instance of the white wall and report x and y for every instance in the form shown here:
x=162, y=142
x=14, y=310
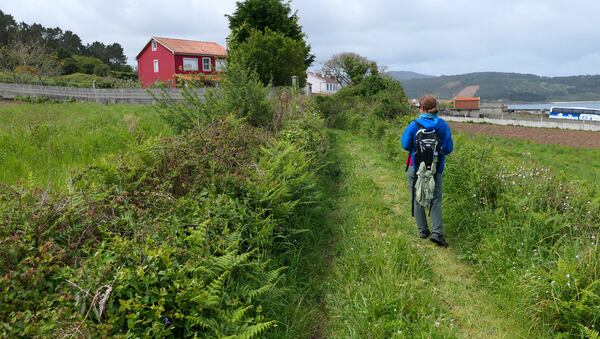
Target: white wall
x=319, y=86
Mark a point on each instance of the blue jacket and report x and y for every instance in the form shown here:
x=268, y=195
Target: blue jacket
x=429, y=122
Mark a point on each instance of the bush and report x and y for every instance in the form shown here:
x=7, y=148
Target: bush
x=178, y=239
x=352, y=106
x=240, y=94
x=85, y=64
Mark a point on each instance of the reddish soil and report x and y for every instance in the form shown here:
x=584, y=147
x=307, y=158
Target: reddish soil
x=571, y=138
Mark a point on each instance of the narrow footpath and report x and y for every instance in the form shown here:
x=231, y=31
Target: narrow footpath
x=383, y=281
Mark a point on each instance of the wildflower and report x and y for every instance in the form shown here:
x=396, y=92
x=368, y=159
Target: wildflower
x=553, y=283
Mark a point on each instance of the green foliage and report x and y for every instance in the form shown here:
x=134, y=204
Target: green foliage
x=350, y=68
x=263, y=15
x=526, y=227
x=179, y=238
x=353, y=106
x=275, y=15
x=274, y=56
x=240, y=94
x=62, y=44
x=85, y=64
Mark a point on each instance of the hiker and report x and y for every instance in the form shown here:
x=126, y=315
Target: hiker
x=428, y=140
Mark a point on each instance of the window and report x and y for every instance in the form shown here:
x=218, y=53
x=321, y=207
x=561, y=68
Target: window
x=155, y=66
x=154, y=46
x=206, y=64
x=190, y=64
x=221, y=63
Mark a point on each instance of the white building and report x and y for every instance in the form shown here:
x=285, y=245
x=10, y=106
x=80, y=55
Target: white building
x=319, y=83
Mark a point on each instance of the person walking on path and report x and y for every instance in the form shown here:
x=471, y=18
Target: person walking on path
x=428, y=140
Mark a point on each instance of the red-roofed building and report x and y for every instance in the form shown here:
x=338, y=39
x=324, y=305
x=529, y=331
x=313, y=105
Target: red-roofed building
x=162, y=58
x=466, y=103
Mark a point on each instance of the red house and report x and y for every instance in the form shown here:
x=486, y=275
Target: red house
x=466, y=103
x=162, y=58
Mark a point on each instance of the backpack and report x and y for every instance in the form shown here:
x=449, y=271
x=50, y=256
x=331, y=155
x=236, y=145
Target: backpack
x=427, y=149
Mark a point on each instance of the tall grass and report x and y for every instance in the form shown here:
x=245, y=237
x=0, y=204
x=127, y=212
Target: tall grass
x=44, y=144
x=531, y=232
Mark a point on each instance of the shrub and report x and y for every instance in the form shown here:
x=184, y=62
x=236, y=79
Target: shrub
x=177, y=239
x=240, y=94
x=85, y=64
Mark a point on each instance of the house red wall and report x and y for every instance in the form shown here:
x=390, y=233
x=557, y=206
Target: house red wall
x=179, y=63
x=466, y=103
x=166, y=65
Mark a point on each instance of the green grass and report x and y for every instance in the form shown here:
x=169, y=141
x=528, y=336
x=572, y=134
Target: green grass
x=518, y=215
x=44, y=144
x=569, y=162
x=379, y=284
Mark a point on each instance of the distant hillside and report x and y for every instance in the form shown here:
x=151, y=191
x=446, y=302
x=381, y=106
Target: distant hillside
x=407, y=75
x=495, y=86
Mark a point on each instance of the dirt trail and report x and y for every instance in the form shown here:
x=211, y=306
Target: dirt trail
x=472, y=310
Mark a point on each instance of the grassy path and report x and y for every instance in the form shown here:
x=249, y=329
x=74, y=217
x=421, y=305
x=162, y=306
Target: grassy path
x=383, y=280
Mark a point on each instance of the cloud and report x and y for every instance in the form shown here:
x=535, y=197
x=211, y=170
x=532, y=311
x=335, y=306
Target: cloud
x=549, y=37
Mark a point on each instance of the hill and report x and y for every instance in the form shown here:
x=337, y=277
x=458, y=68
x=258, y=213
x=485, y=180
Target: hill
x=408, y=75
x=495, y=86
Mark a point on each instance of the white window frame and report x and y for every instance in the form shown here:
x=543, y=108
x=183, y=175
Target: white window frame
x=154, y=45
x=204, y=65
x=155, y=65
x=193, y=60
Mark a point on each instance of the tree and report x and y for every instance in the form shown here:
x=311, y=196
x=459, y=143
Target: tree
x=8, y=27
x=349, y=68
x=19, y=59
x=273, y=56
x=260, y=15
x=116, y=57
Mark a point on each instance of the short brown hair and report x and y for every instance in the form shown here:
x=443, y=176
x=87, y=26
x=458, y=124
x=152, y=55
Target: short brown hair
x=428, y=103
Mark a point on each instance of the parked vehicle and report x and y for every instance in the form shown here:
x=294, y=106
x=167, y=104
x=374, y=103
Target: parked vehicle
x=575, y=113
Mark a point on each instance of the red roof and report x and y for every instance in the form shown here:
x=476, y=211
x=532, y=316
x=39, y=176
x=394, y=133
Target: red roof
x=191, y=47
x=467, y=99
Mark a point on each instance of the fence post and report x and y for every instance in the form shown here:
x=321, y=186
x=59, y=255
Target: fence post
x=295, y=82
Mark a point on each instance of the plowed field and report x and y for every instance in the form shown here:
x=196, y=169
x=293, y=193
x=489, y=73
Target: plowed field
x=539, y=135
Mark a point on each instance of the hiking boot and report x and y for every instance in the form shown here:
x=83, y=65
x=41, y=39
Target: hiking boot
x=438, y=239
x=424, y=234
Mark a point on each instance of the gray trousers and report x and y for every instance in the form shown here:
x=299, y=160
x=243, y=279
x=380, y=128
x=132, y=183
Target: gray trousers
x=436, y=205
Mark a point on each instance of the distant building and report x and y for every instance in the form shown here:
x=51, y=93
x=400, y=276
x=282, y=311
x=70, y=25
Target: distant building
x=319, y=83
x=162, y=59
x=466, y=103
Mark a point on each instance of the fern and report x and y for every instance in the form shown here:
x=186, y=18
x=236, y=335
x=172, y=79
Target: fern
x=589, y=333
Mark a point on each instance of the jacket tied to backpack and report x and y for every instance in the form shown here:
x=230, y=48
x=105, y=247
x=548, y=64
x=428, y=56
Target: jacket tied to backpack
x=425, y=184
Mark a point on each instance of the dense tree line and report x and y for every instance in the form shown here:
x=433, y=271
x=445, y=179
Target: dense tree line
x=64, y=45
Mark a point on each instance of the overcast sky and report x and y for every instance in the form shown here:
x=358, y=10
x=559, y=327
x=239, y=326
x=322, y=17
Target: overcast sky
x=546, y=37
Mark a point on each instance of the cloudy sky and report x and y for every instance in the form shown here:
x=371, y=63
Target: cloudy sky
x=546, y=37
